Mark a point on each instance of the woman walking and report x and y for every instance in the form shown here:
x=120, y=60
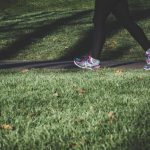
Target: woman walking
x=120, y=9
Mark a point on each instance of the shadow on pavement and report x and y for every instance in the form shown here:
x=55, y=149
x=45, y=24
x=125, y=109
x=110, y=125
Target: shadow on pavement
x=67, y=64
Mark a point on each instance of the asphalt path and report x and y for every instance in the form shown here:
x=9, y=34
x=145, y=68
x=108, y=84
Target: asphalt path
x=67, y=64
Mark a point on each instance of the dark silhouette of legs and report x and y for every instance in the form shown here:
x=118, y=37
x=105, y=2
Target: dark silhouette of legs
x=121, y=11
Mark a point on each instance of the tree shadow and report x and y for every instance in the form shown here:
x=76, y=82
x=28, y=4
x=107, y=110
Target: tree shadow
x=80, y=48
x=83, y=45
x=25, y=20
x=4, y=4
x=39, y=33
x=8, y=27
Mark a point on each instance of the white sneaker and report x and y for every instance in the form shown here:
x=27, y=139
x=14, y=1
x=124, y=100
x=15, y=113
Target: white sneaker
x=147, y=55
x=87, y=62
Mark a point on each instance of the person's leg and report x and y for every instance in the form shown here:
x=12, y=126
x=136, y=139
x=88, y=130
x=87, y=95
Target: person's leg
x=121, y=12
x=102, y=9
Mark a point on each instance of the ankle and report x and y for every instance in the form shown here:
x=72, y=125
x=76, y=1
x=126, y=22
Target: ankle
x=93, y=55
x=148, y=50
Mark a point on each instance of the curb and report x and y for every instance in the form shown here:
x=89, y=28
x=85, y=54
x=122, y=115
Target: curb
x=67, y=64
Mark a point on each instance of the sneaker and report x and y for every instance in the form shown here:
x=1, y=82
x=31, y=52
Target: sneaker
x=87, y=62
x=147, y=55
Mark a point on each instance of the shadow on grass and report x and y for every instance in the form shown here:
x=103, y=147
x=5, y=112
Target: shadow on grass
x=27, y=20
x=80, y=48
x=83, y=45
x=5, y=3
x=27, y=39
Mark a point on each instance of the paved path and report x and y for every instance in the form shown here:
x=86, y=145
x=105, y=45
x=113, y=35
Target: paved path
x=66, y=64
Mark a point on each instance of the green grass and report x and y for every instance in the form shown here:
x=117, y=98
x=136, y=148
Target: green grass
x=70, y=109
x=21, y=21
x=107, y=109
x=46, y=5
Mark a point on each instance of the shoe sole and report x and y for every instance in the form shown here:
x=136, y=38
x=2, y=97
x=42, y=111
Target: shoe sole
x=96, y=67
x=146, y=67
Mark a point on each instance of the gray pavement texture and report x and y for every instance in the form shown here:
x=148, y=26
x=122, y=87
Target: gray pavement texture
x=67, y=64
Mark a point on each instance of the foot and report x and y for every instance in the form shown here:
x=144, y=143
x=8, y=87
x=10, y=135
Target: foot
x=87, y=62
x=147, y=55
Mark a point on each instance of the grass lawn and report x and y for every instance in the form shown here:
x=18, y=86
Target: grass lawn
x=41, y=109
x=37, y=31
x=62, y=109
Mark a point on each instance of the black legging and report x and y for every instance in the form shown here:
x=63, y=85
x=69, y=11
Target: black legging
x=120, y=10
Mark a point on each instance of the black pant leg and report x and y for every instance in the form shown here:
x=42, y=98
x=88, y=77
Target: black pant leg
x=121, y=12
x=102, y=9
